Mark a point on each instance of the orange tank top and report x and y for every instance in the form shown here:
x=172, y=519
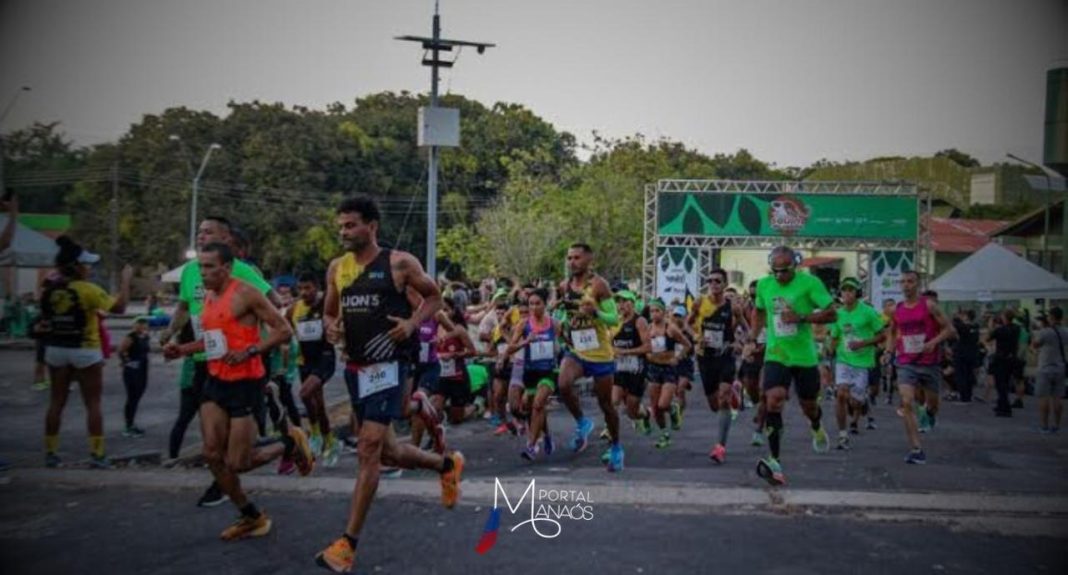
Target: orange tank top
x=223, y=333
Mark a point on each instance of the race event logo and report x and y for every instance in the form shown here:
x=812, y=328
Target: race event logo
x=548, y=509
x=787, y=215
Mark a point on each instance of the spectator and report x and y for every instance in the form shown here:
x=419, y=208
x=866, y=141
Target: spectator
x=1049, y=387
x=965, y=353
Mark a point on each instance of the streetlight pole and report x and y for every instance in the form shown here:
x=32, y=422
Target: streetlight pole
x=192, y=251
x=3, y=116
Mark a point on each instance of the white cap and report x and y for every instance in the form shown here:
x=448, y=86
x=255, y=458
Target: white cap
x=88, y=257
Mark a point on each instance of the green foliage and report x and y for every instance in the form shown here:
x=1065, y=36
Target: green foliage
x=1008, y=212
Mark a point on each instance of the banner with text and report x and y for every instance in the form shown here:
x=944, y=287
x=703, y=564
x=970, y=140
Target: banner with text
x=795, y=215
x=886, y=270
x=676, y=274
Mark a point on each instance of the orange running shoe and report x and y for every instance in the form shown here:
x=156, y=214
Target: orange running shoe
x=247, y=527
x=450, y=481
x=339, y=557
x=302, y=453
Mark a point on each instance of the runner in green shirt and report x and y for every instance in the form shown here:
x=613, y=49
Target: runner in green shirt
x=788, y=303
x=854, y=337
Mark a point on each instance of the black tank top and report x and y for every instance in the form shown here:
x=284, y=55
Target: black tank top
x=365, y=305
x=629, y=337
x=721, y=320
x=312, y=349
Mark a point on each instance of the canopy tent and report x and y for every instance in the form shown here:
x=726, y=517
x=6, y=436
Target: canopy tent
x=173, y=276
x=29, y=249
x=995, y=273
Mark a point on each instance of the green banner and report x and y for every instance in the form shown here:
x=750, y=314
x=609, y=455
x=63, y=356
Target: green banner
x=795, y=215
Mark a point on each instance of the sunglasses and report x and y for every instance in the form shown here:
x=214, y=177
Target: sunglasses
x=781, y=271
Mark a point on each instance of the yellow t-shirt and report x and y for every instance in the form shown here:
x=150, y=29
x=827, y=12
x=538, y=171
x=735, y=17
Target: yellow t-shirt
x=91, y=299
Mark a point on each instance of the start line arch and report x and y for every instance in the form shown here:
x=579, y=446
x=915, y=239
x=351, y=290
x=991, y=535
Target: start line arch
x=690, y=223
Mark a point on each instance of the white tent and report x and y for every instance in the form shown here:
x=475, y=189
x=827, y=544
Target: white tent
x=29, y=249
x=996, y=274
x=174, y=276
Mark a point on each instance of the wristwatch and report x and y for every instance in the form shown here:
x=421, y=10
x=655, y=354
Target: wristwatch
x=252, y=350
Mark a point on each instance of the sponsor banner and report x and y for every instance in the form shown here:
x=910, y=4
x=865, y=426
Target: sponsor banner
x=677, y=276
x=798, y=214
x=886, y=270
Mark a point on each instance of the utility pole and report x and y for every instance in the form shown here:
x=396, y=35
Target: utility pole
x=114, y=280
x=435, y=44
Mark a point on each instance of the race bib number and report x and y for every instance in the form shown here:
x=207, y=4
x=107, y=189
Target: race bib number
x=659, y=344
x=311, y=330
x=628, y=364
x=714, y=339
x=541, y=350
x=584, y=339
x=849, y=342
x=133, y=364
x=198, y=327
x=214, y=344
x=424, y=352
x=783, y=328
x=448, y=368
x=501, y=348
x=378, y=377
x=913, y=343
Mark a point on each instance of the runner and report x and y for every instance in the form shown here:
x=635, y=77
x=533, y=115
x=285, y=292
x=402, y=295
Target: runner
x=426, y=377
x=660, y=370
x=794, y=301
x=212, y=229
x=316, y=363
x=715, y=319
x=591, y=313
x=919, y=328
x=855, y=335
x=536, y=338
x=69, y=324
x=510, y=366
x=454, y=347
x=752, y=365
x=368, y=313
x=133, y=356
x=685, y=368
x=630, y=344
x=230, y=319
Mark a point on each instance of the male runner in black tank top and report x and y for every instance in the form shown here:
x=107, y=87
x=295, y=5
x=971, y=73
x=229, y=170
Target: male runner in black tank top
x=368, y=313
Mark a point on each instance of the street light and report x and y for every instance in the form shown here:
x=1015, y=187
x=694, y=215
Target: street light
x=1048, y=173
x=192, y=251
x=3, y=116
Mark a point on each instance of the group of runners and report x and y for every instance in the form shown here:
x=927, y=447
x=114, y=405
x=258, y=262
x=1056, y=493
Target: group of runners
x=405, y=353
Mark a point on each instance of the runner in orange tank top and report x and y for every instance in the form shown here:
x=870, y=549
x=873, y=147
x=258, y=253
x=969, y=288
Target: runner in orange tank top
x=233, y=312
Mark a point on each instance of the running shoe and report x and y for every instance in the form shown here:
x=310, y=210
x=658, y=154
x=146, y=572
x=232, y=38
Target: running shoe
x=916, y=457
x=615, y=458
x=871, y=424
x=530, y=452
x=100, y=462
x=286, y=466
x=820, y=442
x=339, y=557
x=664, y=442
x=302, y=455
x=854, y=429
x=431, y=420
x=503, y=428
x=133, y=432
x=349, y=445
x=923, y=420
x=450, y=482
x=213, y=496
x=494, y=420
x=605, y=436
x=41, y=385
x=769, y=470
x=843, y=443
x=718, y=453
x=247, y=527
x=644, y=426
x=676, y=417
x=606, y=455
x=758, y=439
x=521, y=429
x=390, y=472
x=316, y=444
x=331, y=451
x=52, y=460
x=582, y=435
x=547, y=444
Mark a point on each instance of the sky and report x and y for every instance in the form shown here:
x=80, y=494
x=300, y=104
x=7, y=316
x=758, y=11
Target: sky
x=792, y=81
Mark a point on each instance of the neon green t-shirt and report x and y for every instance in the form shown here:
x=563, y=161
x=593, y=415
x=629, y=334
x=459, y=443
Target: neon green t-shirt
x=863, y=323
x=191, y=291
x=791, y=344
